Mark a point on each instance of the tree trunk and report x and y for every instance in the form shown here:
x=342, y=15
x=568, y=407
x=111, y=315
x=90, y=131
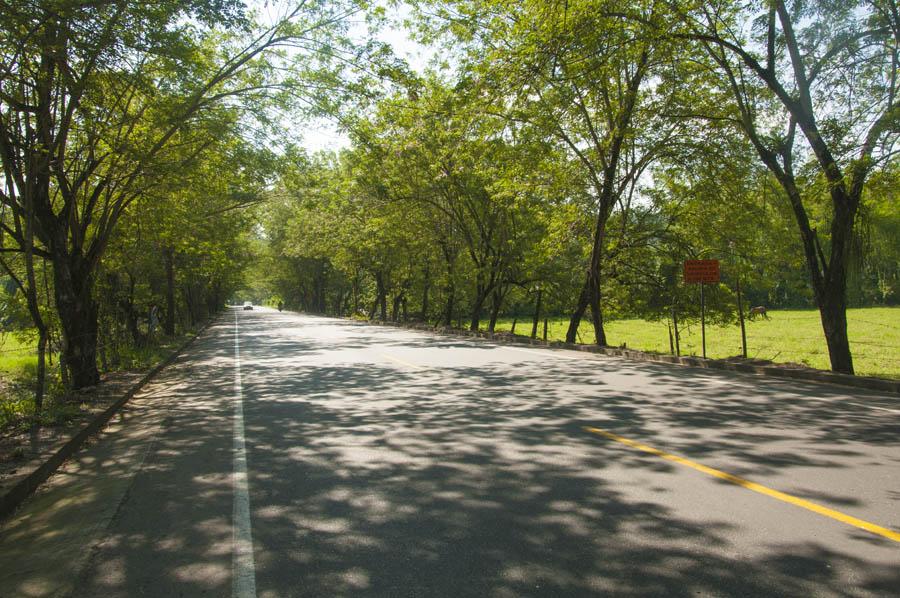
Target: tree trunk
x=577, y=314
x=41, y=375
x=450, y=304
x=677, y=333
x=189, y=303
x=593, y=279
x=381, y=298
x=395, y=307
x=496, y=303
x=477, y=307
x=425, y=288
x=833, y=313
x=481, y=293
x=169, y=323
x=73, y=286
x=597, y=315
x=537, y=313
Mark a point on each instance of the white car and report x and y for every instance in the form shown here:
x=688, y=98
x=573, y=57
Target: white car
x=248, y=305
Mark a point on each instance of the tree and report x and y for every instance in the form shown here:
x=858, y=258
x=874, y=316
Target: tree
x=827, y=71
x=99, y=102
x=593, y=81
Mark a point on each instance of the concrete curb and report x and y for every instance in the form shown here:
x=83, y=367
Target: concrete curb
x=819, y=376
x=25, y=487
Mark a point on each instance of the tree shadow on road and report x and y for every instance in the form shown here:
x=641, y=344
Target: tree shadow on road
x=374, y=480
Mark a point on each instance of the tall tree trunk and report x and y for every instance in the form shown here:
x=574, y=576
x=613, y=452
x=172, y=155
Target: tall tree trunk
x=450, y=304
x=169, y=323
x=833, y=313
x=41, y=374
x=496, y=303
x=423, y=315
x=590, y=293
x=73, y=287
x=477, y=307
x=395, y=307
x=189, y=303
x=481, y=293
x=577, y=313
x=381, y=296
x=596, y=311
x=537, y=313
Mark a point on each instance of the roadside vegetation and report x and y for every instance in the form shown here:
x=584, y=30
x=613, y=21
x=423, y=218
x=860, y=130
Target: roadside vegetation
x=787, y=336
x=571, y=156
x=559, y=158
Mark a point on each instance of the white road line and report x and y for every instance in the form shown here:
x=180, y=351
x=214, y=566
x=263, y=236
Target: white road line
x=243, y=578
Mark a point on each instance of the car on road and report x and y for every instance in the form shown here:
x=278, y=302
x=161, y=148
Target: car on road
x=248, y=305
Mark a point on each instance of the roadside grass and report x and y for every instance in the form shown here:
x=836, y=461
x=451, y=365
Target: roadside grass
x=788, y=336
x=16, y=354
x=18, y=371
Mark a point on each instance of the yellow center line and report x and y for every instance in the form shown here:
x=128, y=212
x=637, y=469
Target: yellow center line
x=401, y=362
x=739, y=481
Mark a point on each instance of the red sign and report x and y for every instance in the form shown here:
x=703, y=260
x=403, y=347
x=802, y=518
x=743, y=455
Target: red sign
x=701, y=271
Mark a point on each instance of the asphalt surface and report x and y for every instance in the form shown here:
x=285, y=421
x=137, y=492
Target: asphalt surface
x=384, y=462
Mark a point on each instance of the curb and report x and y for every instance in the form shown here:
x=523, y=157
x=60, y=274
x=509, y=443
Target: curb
x=12, y=498
x=818, y=376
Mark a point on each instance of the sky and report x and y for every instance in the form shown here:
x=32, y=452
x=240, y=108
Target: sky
x=320, y=134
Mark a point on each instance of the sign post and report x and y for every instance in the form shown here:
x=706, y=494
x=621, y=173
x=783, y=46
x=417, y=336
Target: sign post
x=702, y=272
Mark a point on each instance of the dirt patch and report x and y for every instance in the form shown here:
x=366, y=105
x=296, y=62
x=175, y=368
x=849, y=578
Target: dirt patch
x=18, y=449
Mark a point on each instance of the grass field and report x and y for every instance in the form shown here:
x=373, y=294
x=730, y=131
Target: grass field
x=787, y=336
x=15, y=355
x=18, y=365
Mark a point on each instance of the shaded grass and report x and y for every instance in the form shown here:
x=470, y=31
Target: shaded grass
x=788, y=336
x=16, y=355
x=18, y=371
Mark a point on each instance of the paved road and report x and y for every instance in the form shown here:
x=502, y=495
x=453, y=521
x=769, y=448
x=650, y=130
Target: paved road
x=382, y=462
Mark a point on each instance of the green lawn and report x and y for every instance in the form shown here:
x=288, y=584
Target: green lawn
x=787, y=336
x=18, y=365
x=16, y=355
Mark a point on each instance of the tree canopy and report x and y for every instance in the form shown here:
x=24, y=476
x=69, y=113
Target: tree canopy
x=556, y=158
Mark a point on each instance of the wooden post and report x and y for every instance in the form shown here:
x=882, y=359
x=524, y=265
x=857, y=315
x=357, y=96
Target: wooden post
x=703, y=319
x=677, y=334
x=741, y=318
x=545, y=329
